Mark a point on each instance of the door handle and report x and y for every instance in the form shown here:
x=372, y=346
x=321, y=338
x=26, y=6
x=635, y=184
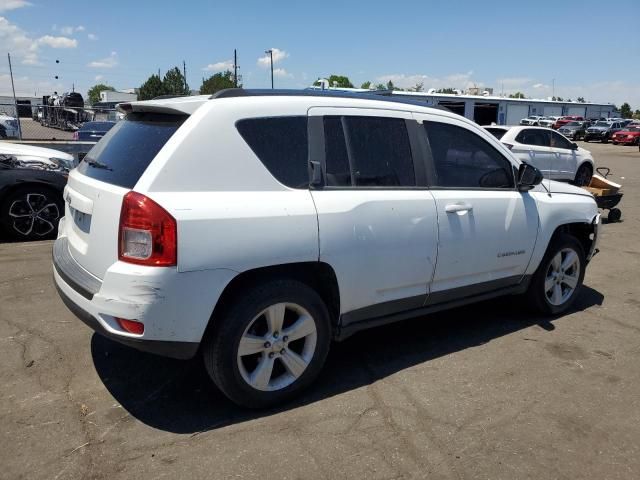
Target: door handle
x=458, y=208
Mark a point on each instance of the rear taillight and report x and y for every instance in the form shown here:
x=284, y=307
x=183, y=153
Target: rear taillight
x=147, y=234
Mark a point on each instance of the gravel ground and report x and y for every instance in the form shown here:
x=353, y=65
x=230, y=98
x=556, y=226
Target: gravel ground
x=488, y=391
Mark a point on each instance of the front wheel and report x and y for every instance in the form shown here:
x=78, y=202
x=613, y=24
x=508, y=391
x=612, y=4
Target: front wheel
x=556, y=283
x=269, y=344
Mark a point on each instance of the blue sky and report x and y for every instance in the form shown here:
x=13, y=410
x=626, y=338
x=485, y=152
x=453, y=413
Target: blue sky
x=591, y=49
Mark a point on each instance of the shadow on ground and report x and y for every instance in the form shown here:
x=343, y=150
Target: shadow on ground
x=177, y=396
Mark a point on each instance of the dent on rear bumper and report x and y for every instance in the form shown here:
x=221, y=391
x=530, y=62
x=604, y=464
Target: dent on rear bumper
x=174, y=306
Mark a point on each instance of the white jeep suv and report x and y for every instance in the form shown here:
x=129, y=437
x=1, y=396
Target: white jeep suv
x=253, y=228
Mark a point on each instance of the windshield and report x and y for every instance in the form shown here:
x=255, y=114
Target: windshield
x=602, y=124
x=573, y=124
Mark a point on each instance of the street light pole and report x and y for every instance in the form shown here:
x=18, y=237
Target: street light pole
x=270, y=52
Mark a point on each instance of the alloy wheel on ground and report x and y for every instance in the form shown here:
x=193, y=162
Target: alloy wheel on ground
x=562, y=276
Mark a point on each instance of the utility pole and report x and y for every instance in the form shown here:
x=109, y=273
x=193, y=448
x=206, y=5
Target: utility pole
x=235, y=68
x=184, y=73
x=270, y=52
x=15, y=101
x=553, y=88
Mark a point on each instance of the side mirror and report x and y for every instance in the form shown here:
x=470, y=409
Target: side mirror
x=528, y=177
x=574, y=146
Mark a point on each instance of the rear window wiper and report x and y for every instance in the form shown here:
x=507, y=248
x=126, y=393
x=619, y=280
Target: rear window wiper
x=97, y=164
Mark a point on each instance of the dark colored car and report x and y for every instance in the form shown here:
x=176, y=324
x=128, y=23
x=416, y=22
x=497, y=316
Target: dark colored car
x=574, y=130
x=92, y=131
x=602, y=131
x=31, y=202
x=627, y=136
x=566, y=119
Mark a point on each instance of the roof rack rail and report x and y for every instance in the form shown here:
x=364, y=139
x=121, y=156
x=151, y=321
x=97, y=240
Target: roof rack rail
x=379, y=95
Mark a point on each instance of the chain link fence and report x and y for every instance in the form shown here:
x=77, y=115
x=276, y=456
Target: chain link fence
x=45, y=122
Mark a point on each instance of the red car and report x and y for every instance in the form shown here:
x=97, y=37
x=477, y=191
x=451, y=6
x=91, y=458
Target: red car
x=564, y=120
x=628, y=136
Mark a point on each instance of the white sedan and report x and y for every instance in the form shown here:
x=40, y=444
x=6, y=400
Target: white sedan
x=47, y=157
x=557, y=157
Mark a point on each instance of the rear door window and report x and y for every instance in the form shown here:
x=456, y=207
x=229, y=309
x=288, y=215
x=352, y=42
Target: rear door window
x=368, y=152
x=124, y=153
x=281, y=145
x=537, y=137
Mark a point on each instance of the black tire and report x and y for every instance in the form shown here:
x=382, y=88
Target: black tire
x=16, y=208
x=605, y=140
x=615, y=214
x=583, y=175
x=537, y=293
x=220, y=347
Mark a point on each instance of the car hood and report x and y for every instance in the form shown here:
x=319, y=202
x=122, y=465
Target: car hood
x=628, y=132
x=599, y=128
x=20, y=150
x=560, y=187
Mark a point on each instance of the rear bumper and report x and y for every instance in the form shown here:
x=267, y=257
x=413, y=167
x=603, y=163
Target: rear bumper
x=179, y=350
x=175, y=307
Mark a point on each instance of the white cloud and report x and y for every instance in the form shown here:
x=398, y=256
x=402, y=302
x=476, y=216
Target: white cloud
x=92, y=36
x=98, y=77
x=219, y=66
x=282, y=73
x=278, y=56
x=6, y=5
x=108, y=62
x=456, y=80
x=57, y=42
x=26, y=48
x=70, y=30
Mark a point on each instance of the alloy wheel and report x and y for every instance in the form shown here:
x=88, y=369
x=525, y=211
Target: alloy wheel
x=277, y=347
x=563, y=274
x=34, y=214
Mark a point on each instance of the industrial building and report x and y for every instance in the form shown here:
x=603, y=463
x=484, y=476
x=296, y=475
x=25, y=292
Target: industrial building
x=488, y=109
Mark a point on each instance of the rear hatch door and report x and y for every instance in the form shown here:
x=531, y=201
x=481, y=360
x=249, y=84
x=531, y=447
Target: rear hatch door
x=94, y=193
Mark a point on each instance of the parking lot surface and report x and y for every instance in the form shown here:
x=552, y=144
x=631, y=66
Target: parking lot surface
x=486, y=391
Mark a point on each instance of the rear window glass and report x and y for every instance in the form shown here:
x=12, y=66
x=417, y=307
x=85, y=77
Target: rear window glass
x=125, y=152
x=281, y=145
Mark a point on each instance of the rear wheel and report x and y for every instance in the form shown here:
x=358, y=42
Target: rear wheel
x=31, y=213
x=269, y=344
x=583, y=175
x=556, y=283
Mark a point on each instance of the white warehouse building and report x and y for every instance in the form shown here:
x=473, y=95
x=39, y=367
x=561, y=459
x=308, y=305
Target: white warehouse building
x=485, y=109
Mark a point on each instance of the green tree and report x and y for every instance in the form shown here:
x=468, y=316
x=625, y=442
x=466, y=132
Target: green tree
x=381, y=86
x=152, y=88
x=625, y=110
x=216, y=82
x=418, y=87
x=340, y=81
x=390, y=85
x=637, y=114
x=446, y=90
x=174, y=83
x=366, y=84
x=580, y=100
x=94, y=92
x=517, y=95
